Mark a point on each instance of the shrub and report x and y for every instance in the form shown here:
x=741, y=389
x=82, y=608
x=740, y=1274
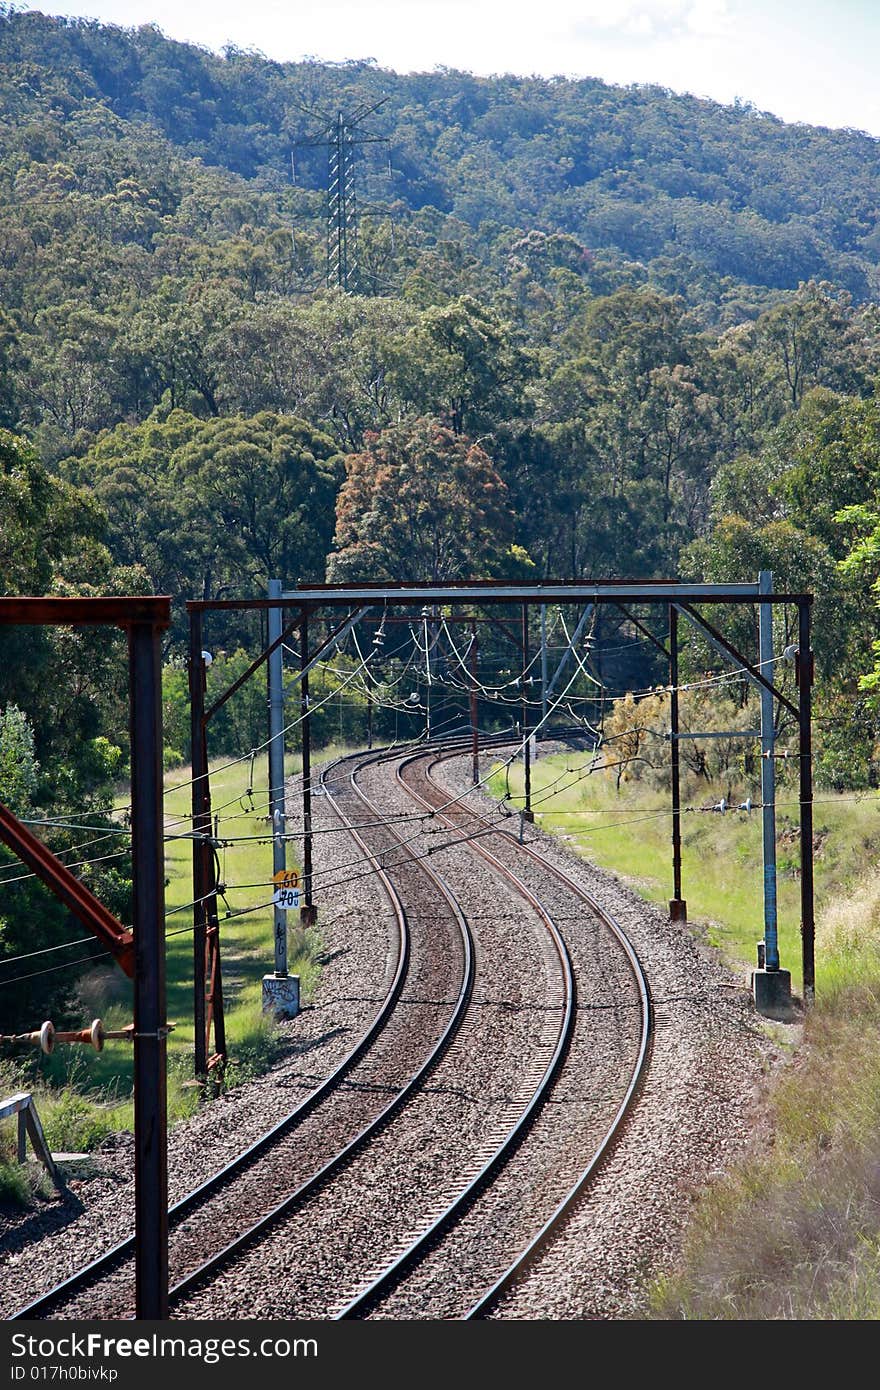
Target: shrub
x=72, y=1123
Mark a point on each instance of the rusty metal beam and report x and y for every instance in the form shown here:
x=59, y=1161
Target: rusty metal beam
x=647, y=631
x=754, y=674
x=291, y=627
x=141, y=954
x=508, y=632
x=255, y=665
x=85, y=612
x=94, y=916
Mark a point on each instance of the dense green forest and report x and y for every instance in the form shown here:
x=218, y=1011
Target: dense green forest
x=594, y=331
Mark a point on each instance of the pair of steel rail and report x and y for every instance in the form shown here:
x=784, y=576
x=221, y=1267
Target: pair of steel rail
x=369, y=1296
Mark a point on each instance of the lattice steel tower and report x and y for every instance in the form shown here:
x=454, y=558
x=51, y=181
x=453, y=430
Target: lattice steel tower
x=342, y=263
x=341, y=137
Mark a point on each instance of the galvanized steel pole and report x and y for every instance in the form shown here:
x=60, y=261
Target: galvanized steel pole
x=527, y=752
x=768, y=775
x=543, y=670
x=201, y=824
x=276, y=769
x=805, y=683
x=428, y=676
x=369, y=689
x=308, y=911
x=475, y=737
x=677, y=905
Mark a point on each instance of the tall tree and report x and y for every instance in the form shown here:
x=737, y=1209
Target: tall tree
x=420, y=503
x=463, y=363
x=217, y=507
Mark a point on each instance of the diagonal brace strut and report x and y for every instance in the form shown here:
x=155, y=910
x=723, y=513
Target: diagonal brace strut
x=72, y=892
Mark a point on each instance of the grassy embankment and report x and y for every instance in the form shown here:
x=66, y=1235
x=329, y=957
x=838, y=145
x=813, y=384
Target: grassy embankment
x=83, y=1096
x=794, y=1231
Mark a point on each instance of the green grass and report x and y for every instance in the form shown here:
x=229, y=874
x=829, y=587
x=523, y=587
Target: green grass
x=247, y=950
x=629, y=832
x=83, y=1096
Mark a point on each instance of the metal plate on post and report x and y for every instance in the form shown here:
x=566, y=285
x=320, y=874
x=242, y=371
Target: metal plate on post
x=287, y=893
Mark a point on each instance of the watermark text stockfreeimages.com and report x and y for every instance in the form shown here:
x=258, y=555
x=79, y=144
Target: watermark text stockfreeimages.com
x=52, y=1358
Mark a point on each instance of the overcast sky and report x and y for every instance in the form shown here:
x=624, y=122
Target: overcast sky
x=804, y=60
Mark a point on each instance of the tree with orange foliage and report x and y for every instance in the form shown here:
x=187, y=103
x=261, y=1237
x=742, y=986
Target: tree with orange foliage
x=420, y=503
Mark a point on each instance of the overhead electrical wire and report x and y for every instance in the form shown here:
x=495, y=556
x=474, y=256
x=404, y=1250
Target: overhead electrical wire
x=364, y=664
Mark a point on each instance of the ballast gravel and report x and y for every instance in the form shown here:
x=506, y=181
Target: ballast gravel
x=693, y=1117
x=697, y=1113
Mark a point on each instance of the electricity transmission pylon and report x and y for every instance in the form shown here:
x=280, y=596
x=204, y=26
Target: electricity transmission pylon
x=341, y=137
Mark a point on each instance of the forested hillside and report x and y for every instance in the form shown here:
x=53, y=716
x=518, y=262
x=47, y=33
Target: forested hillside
x=595, y=332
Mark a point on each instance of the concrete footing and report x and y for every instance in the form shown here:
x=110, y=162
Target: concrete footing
x=772, y=993
x=308, y=915
x=281, y=995
x=678, y=910
x=75, y=1165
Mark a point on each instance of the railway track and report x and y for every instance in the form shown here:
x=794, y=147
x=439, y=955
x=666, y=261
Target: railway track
x=431, y=998
x=398, y=1183
x=112, y=1265
x=374, y=1300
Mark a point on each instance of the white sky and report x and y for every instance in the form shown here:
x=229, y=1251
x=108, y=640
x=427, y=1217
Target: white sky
x=805, y=60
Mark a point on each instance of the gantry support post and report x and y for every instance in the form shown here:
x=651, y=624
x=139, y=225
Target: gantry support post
x=475, y=737
x=770, y=983
x=677, y=904
x=201, y=824
x=428, y=675
x=527, y=752
x=805, y=684
x=367, y=683
x=768, y=779
x=215, y=1019
x=308, y=914
x=543, y=671
x=207, y=975
x=150, y=1032
x=276, y=772
x=280, y=990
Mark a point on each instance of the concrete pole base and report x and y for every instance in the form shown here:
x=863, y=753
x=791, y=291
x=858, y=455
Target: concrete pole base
x=529, y=816
x=772, y=994
x=308, y=915
x=281, y=995
x=678, y=910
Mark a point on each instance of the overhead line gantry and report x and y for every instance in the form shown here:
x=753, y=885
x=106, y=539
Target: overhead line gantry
x=771, y=983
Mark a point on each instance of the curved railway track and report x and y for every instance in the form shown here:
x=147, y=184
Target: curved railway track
x=403, y=1179
x=467, y=823
x=577, y=1190
x=112, y=1262
x=444, y=934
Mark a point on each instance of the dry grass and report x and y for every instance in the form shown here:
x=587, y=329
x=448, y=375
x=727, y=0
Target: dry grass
x=794, y=1233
